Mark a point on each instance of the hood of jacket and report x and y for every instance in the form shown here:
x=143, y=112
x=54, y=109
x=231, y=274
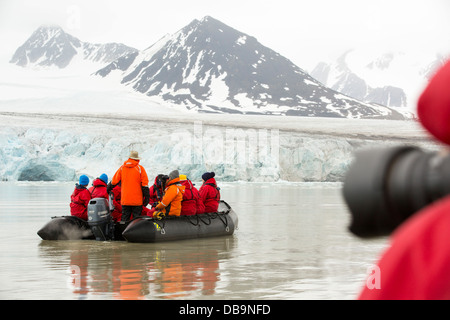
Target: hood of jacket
x=99, y=183
x=173, y=181
x=212, y=181
x=131, y=163
x=187, y=184
x=79, y=187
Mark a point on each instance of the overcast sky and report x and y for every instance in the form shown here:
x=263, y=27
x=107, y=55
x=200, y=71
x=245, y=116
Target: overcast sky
x=304, y=31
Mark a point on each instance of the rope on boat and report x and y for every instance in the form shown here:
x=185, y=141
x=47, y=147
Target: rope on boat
x=218, y=215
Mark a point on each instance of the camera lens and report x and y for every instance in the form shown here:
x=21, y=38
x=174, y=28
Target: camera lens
x=383, y=187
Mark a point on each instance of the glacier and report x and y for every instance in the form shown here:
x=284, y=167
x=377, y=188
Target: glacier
x=60, y=147
x=56, y=126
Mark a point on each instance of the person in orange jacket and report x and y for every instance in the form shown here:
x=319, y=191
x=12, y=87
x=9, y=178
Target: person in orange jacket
x=173, y=195
x=134, y=186
x=117, y=212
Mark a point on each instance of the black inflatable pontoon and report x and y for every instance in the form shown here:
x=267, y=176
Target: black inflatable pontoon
x=143, y=229
x=66, y=228
x=146, y=229
x=99, y=226
x=74, y=228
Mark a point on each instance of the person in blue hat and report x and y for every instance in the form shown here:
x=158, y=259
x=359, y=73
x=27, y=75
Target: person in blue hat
x=80, y=198
x=99, y=187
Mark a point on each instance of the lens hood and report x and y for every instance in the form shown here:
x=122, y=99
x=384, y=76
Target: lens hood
x=366, y=191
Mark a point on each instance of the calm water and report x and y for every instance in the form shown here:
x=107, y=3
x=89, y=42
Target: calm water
x=292, y=243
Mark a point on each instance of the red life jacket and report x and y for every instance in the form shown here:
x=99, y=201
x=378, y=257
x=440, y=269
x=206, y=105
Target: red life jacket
x=79, y=201
x=210, y=195
x=117, y=212
x=98, y=190
x=191, y=203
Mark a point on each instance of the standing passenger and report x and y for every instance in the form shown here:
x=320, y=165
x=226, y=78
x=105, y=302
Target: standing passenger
x=80, y=198
x=134, y=186
x=209, y=192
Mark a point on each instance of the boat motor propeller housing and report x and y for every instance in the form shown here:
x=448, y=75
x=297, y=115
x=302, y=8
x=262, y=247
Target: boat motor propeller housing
x=99, y=219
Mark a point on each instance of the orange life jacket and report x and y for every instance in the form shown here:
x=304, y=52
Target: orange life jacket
x=173, y=196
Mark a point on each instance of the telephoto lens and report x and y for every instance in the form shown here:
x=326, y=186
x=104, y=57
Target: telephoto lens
x=385, y=186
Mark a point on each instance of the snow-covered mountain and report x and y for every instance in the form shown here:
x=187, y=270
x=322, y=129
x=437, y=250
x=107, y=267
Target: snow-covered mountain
x=205, y=67
x=390, y=78
x=50, y=46
x=210, y=67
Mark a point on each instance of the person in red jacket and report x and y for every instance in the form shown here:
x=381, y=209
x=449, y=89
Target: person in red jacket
x=117, y=212
x=191, y=204
x=98, y=189
x=80, y=198
x=209, y=192
x=417, y=263
x=157, y=189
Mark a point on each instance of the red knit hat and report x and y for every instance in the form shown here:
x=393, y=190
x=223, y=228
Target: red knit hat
x=433, y=107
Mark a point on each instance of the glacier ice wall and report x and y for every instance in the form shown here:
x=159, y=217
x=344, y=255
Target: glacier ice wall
x=65, y=150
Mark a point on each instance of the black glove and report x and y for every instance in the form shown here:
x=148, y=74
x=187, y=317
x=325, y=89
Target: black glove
x=109, y=187
x=146, y=195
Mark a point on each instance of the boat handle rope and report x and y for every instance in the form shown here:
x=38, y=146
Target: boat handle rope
x=209, y=219
x=188, y=218
x=190, y=221
x=225, y=223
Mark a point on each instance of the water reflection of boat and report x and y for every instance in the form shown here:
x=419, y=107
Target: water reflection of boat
x=142, y=229
x=141, y=271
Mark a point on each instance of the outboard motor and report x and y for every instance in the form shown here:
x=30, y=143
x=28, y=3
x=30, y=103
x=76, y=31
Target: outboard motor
x=99, y=219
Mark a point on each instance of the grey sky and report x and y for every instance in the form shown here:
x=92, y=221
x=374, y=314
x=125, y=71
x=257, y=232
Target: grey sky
x=304, y=31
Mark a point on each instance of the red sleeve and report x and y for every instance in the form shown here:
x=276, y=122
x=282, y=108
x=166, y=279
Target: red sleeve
x=203, y=193
x=85, y=197
x=417, y=264
x=199, y=202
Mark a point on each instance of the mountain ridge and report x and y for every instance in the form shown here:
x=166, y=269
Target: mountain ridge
x=390, y=78
x=247, y=76
x=50, y=45
x=208, y=67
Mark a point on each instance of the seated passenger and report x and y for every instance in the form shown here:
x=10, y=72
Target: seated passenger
x=117, y=194
x=80, y=198
x=173, y=195
x=191, y=204
x=98, y=189
x=157, y=189
x=209, y=192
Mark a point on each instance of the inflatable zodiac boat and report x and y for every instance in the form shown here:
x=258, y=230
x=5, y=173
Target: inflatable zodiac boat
x=142, y=229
